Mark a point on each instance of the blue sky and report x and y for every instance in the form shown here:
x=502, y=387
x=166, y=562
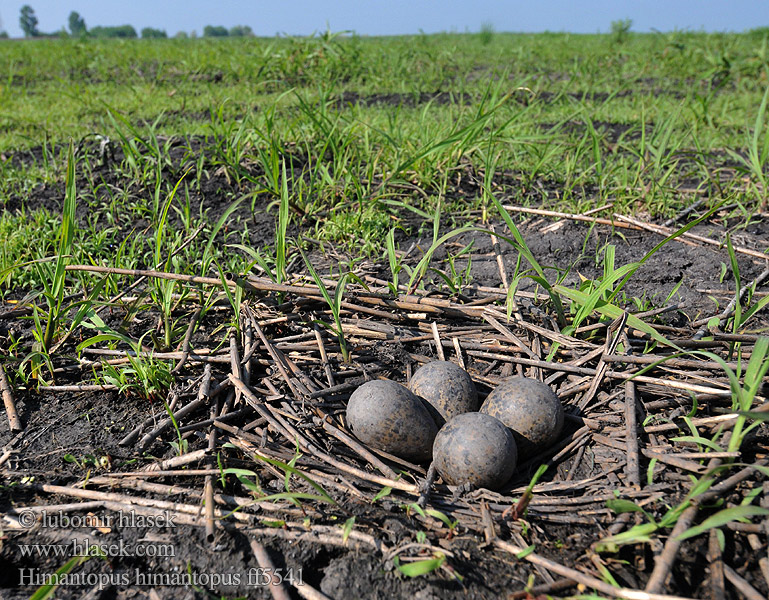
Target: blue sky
x=388, y=17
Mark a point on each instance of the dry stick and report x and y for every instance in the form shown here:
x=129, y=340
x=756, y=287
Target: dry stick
x=424, y=488
x=243, y=502
x=290, y=433
x=159, y=474
x=576, y=462
x=130, y=438
x=500, y=262
x=78, y=388
x=186, y=342
x=324, y=356
x=153, y=273
x=543, y=572
x=276, y=359
x=763, y=562
x=540, y=591
x=236, y=414
x=670, y=362
x=489, y=529
x=208, y=488
x=557, y=451
x=664, y=561
x=205, y=384
x=666, y=231
x=176, y=461
x=741, y=585
x=121, y=498
x=235, y=363
x=437, y=338
x=724, y=421
x=668, y=459
x=716, y=566
x=199, y=356
x=354, y=445
x=580, y=577
x=692, y=207
x=611, y=344
x=458, y=351
x=536, y=348
x=305, y=384
x=570, y=216
x=509, y=335
x=723, y=315
x=248, y=347
x=306, y=591
x=10, y=406
x=151, y=436
x=503, y=273
x=584, y=359
x=265, y=562
x=632, y=467
x=668, y=383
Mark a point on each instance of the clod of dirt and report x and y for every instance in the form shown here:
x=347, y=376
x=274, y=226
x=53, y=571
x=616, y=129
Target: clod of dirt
x=475, y=448
x=446, y=387
x=528, y=407
x=388, y=416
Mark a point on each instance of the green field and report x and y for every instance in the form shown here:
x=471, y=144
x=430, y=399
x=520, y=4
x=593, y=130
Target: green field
x=568, y=121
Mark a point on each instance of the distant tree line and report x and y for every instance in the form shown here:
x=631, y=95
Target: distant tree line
x=77, y=28
x=219, y=31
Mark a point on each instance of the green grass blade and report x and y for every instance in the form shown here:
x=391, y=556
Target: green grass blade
x=723, y=517
x=47, y=591
x=420, y=567
x=613, y=312
x=276, y=463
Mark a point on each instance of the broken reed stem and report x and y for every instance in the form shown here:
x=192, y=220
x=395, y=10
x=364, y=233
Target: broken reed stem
x=10, y=405
x=187, y=409
x=617, y=329
x=632, y=466
x=666, y=231
x=187, y=340
x=78, y=388
x=202, y=355
x=663, y=563
x=580, y=577
x=437, y=338
x=565, y=367
x=265, y=562
x=131, y=501
x=208, y=488
x=323, y=356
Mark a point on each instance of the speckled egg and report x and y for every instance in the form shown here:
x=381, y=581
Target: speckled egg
x=388, y=416
x=475, y=448
x=446, y=387
x=528, y=407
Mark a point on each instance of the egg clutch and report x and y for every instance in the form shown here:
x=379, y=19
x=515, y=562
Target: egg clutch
x=438, y=417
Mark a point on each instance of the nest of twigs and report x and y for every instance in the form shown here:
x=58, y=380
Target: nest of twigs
x=647, y=429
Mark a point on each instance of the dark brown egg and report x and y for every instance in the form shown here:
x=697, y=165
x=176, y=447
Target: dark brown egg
x=475, y=448
x=388, y=416
x=528, y=407
x=446, y=387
